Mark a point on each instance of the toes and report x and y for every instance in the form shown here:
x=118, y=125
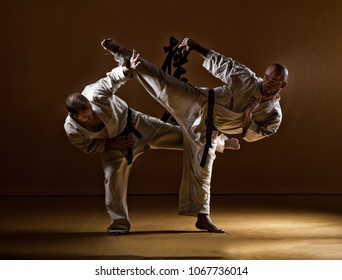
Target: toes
x=209, y=227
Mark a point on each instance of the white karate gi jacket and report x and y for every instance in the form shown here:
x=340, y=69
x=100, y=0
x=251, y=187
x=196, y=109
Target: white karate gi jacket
x=188, y=105
x=112, y=110
x=231, y=100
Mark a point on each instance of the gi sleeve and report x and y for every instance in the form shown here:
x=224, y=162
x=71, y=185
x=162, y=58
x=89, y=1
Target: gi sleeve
x=259, y=130
x=221, y=143
x=225, y=68
x=84, y=143
x=112, y=82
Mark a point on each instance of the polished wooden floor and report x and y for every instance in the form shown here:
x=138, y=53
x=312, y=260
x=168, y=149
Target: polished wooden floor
x=265, y=227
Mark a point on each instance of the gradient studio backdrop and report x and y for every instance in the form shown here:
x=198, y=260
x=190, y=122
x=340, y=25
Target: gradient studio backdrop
x=52, y=48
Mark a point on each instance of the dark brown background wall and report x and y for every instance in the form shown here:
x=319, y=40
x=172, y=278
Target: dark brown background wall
x=50, y=49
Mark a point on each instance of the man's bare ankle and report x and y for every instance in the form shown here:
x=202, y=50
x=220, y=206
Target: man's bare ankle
x=205, y=223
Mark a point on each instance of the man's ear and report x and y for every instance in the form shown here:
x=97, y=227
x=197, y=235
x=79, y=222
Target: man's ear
x=284, y=84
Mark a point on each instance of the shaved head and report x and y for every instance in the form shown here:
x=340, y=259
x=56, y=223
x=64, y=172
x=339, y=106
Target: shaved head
x=275, y=79
x=280, y=69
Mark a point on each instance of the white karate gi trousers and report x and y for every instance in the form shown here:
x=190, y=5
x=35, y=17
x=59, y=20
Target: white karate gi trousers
x=156, y=135
x=184, y=102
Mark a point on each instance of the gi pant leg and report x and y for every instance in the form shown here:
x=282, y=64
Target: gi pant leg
x=160, y=135
x=194, y=193
x=116, y=172
x=184, y=102
x=156, y=135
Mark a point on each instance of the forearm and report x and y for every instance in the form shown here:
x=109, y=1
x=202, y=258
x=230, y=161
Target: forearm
x=257, y=131
x=113, y=81
x=110, y=144
x=223, y=67
x=189, y=44
x=119, y=143
x=201, y=50
x=88, y=146
x=126, y=71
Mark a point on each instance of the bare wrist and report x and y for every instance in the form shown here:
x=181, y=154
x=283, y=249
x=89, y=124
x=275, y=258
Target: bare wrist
x=125, y=70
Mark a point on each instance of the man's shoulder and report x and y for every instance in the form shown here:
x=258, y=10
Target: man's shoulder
x=70, y=125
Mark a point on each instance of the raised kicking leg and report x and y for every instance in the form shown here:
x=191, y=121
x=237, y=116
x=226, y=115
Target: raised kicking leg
x=177, y=97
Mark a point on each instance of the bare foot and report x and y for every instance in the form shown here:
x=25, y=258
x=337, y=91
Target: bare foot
x=204, y=222
x=232, y=144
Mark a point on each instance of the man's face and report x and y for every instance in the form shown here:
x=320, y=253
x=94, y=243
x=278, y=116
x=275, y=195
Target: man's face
x=273, y=82
x=85, y=116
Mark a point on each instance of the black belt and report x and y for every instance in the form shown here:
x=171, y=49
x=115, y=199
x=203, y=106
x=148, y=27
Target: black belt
x=210, y=126
x=128, y=130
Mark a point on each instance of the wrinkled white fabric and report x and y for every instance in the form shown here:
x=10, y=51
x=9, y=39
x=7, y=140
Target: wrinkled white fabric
x=185, y=102
x=232, y=99
x=189, y=105
x=113, y=112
